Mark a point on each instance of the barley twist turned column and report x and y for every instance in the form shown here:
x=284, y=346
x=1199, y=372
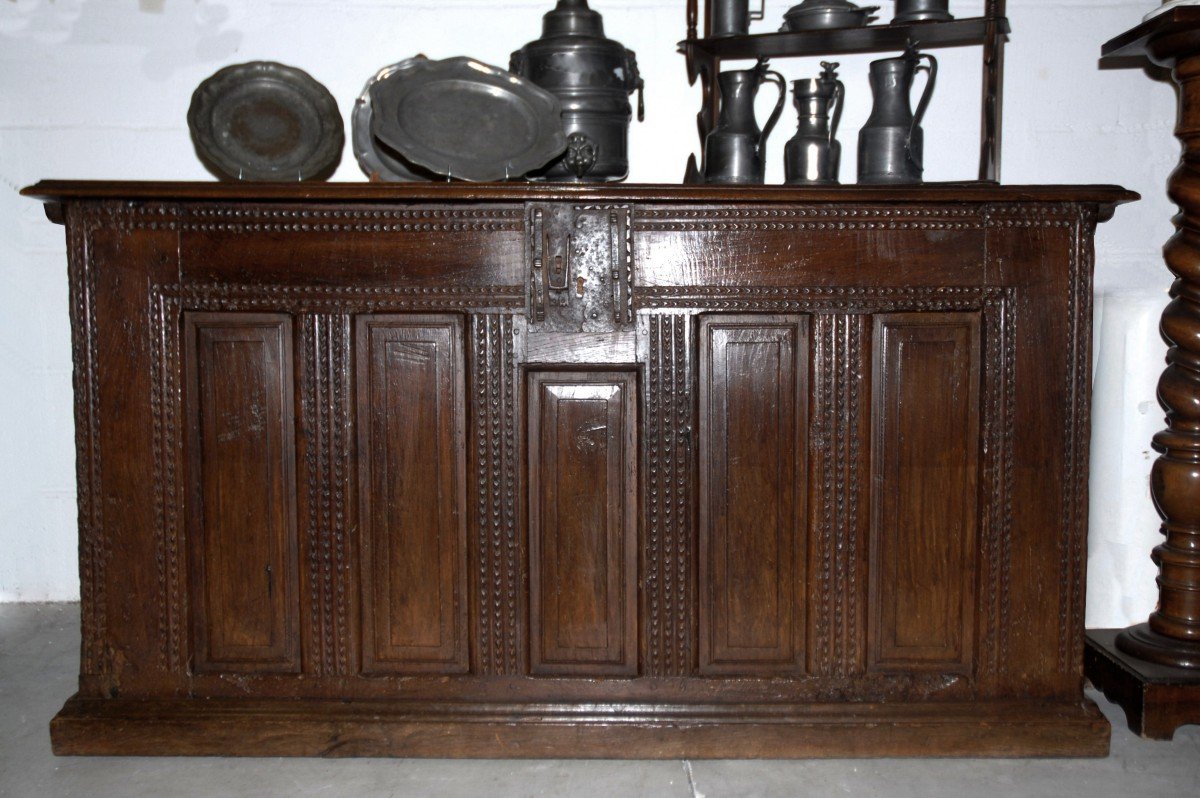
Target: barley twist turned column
x=1172, y=636
x=1153, y=669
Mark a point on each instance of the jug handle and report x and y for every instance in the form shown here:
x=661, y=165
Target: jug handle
x=781, y=81
x=636, y=83
x=922, y=106
x=839, y=98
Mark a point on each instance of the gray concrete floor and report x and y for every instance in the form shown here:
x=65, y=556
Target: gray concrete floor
x=39, y=649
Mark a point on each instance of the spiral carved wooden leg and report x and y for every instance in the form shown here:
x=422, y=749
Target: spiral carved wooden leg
x=1172, y=636
x=1153, y=669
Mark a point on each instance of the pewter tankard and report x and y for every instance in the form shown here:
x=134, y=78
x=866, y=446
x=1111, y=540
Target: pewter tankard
x=813, y=156
x=732, y=17
x=922, y=11
x=891, y=144
x=734, y=151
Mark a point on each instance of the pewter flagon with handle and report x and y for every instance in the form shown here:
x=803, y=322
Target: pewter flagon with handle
x=891, y=145
x=813, y=156
x=735, y=150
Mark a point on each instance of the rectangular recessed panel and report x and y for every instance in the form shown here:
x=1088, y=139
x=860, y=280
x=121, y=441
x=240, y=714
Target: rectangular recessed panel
x=241, y=458
x=924, y=489
x=753, y=493
x=583, y=523
x=412, y=521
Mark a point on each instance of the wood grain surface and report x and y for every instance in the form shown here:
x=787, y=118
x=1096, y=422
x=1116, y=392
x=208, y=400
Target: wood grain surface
x=601, y=471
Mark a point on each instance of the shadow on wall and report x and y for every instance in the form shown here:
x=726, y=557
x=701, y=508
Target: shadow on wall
x=175, y=35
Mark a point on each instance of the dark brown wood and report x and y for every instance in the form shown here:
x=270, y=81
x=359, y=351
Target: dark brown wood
x=924, y=484
x=1143, y=667
x=753, y=505
x=374, y=729
x=992, y=98
x=870, y=39
x=1157, y=699
x=412, y=520
x=583, y=523
x=240, y=455
x=787, y=473
x=384, y=194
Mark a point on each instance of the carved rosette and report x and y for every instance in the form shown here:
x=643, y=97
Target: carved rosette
x=1172, y=636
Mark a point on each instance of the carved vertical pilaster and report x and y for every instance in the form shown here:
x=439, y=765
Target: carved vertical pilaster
x=669, y=466
x=325, y=416
x=82, y=289
x=166, y=408
x=1172, y=635
x=495, y=543
x=999, y=431
x=1073, y=540
x=838, y=393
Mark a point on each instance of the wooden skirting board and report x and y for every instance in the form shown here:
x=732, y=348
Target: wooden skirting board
x=105, y=727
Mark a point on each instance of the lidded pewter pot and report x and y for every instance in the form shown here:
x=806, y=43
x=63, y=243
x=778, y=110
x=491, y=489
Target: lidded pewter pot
x=593, y=76
x=813, y=156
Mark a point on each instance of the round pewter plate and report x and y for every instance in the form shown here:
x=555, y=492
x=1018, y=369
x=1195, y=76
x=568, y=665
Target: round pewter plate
x=464, y=119
x=377, y=160
x=266, y=121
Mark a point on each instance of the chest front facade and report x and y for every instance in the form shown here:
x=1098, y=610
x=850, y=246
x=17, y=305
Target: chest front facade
x=705, y=478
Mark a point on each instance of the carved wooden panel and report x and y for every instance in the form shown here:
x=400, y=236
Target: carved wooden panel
x=241, y=458
x=840, y=473
x=753, y=493
x=325, y=477
x=583, y=523
x=498, y=551
x=925, y=442
x=697, y=246
x=668, y=342
x=412, y=518
x=882, y=323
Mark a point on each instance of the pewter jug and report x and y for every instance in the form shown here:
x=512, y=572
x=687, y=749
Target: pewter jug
x=734, y=151
x=891, y=144
x=593, y=77
x=813, y=156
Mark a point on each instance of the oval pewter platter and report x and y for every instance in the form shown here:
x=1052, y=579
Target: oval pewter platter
x=468, y=120
x=266, y=121
x=377, y=160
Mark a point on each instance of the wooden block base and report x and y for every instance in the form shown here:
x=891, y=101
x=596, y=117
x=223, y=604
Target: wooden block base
x=339, y=729
x=1157, y=699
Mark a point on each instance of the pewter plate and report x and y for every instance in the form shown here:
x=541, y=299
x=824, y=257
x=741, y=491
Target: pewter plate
x=464, y=119
x=377, y=160
x=266, y=121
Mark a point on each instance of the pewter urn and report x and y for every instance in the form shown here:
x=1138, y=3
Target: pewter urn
x=593, y=76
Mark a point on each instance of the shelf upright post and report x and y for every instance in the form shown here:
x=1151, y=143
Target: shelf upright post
x=993, y=91
x=705, y=67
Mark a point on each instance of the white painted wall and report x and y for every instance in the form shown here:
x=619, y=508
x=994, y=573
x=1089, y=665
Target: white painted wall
x=100, y=89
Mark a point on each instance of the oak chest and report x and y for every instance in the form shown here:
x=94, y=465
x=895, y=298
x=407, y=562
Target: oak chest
x=526, y=471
